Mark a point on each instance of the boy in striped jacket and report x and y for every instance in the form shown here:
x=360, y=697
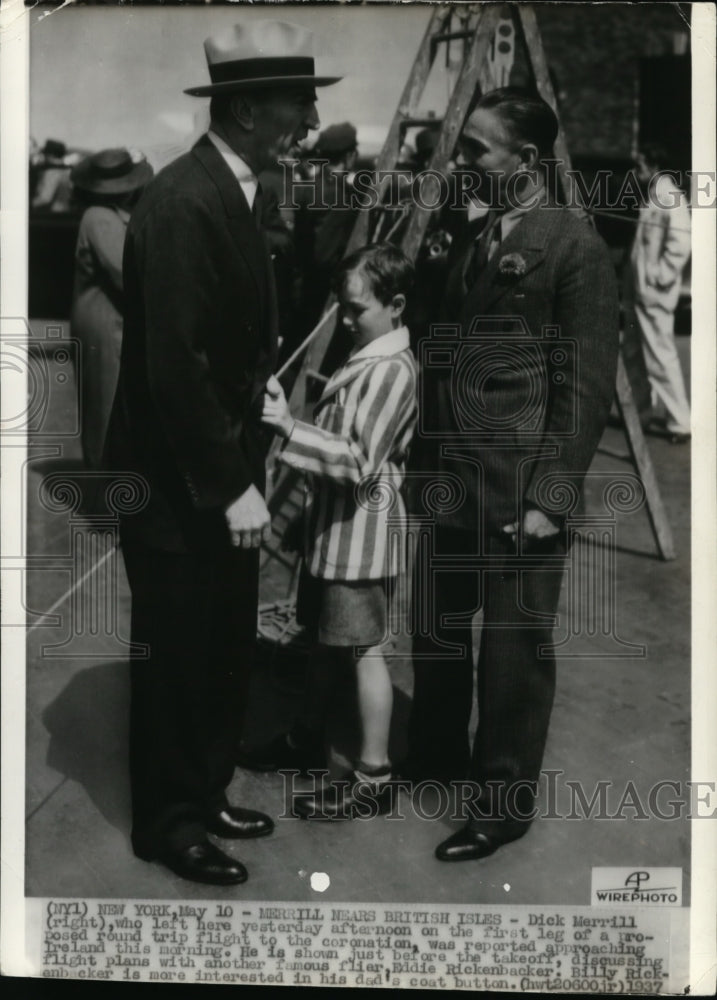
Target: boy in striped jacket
x=354, y=456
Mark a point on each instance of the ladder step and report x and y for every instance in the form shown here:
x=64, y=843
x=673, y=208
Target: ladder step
x=291, y=499
x=276, y=553
x=419, y=123
x=448, y=36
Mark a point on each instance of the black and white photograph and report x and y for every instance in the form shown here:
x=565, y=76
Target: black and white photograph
x=308, y=301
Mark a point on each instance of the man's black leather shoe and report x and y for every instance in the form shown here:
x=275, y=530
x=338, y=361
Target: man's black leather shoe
x=204, y=862
x=279, y=755
x=469, y=844
x=236, y=823
x=352, y=799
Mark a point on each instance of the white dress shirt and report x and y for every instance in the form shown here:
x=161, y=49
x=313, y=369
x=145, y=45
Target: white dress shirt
x=241, y=170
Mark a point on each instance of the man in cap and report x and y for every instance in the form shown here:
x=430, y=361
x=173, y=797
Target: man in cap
x=199, y=346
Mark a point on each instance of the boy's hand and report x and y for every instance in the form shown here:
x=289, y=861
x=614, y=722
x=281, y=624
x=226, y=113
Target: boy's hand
x=276, y=412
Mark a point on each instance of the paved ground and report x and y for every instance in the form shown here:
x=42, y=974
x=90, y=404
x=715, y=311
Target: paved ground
x=620, y=719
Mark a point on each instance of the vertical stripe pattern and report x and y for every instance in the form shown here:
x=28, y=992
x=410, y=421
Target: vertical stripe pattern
x=354, y=456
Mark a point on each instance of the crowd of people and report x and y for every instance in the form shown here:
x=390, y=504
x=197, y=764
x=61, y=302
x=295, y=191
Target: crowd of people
x=183, y=340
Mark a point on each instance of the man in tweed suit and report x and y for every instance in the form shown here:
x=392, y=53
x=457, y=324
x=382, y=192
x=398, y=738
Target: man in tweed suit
x=517, y=413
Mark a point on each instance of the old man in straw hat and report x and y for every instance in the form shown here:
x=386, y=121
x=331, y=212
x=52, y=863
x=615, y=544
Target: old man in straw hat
x=199, y=345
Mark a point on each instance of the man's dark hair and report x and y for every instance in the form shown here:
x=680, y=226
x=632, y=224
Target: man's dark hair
x=387, y=270
x=655, y=154
x=527, y=117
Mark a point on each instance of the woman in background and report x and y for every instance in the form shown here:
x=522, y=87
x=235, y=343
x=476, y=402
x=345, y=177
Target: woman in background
x=109, y=183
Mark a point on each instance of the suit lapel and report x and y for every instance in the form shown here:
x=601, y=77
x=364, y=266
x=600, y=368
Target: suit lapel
x=245, y=234
x=529, y=240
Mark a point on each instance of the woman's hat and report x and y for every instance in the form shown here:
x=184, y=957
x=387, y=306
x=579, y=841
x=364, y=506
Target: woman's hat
x=113, y=171
x=259, y=54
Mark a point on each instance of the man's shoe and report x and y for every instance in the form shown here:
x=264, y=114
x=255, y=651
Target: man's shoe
x=679, y=438
x=350, y=799
x=469, y=844
x=236, y=823
x=204, y=862
x=279, y=755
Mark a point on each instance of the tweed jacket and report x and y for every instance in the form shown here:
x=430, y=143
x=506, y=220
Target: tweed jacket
x=199, y=345
x=516, y=399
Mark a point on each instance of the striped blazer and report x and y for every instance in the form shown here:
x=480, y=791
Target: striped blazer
x=355, y=457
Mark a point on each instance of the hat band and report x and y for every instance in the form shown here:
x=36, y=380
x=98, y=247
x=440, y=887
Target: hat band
x=115, y=170
x=253, y=69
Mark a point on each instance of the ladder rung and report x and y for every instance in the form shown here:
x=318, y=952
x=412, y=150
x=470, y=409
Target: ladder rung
x=275, y=554
x=448, y=36
x=419, y=122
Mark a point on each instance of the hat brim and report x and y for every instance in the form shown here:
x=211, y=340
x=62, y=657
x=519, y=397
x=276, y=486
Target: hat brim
x=82, y=178
x=235, y=86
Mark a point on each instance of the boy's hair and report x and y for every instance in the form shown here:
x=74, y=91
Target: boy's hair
x=387, y=270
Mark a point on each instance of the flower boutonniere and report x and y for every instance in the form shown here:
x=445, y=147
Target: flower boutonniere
x=512, y=266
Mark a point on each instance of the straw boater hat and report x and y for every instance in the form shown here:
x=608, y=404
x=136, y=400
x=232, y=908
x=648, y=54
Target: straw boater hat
x=113, y=171
x=259, y=54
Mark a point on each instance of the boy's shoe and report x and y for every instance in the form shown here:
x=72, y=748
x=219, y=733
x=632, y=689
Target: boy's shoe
x=281, y=755
x=354, y=798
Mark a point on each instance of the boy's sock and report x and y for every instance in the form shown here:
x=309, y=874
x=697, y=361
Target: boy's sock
x=373, y=775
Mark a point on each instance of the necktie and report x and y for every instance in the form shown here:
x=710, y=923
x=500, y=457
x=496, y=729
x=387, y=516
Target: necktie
x=480, y=253
x=258, y=205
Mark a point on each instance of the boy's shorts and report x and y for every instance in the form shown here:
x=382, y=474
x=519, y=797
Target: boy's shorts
x=344, y=612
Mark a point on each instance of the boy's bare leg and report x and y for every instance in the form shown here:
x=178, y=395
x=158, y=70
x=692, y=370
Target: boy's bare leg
x=375, y=703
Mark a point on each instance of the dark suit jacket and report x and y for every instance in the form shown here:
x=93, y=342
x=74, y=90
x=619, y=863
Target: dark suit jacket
x=518, y=399
x=199, y=344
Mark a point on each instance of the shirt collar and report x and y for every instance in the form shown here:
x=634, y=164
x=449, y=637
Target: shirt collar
x=532, y=196
x=239, y=167
x=389, y=343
